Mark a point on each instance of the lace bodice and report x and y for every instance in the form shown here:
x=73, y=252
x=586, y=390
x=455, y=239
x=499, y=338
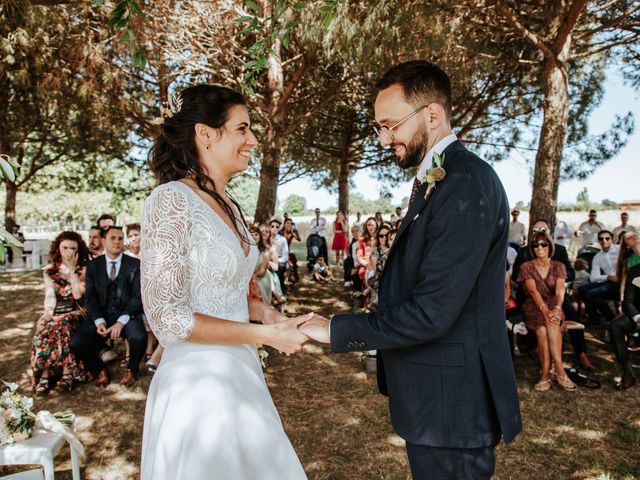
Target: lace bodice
x=191, y=262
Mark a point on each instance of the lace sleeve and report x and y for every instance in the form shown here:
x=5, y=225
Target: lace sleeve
x=166, y=231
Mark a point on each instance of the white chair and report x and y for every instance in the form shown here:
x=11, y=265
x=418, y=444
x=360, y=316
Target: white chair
x=40, y=449
x=36, y=474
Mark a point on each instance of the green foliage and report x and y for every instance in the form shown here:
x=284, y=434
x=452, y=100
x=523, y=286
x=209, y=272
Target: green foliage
x=121, y=19
x=269, y=30
x=584, y=203
x=295, y=205
x=357, y=203
x=245, y=190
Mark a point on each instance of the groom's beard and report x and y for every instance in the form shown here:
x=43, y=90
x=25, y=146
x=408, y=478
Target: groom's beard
x=415, y=150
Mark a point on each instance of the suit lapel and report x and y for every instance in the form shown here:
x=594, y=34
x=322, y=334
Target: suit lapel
x=419, y=201
x=121, y=276
x=102, y=278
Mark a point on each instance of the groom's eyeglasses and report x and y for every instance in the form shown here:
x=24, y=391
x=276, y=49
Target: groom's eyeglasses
x=387, y=132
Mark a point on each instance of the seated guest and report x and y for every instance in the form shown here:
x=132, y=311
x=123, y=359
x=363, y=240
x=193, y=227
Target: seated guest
x=379, y=258
x=581, y=278
x=269, y=284
x=544, y=283
x=604, y=282
x=290, y=233
x=559, y=255
x=95, y=242
x=625, y=324
x=51, y=354
x=114, y=309
x=282, y=247
x=133, y=240
x=322, y=272
x=105, y=220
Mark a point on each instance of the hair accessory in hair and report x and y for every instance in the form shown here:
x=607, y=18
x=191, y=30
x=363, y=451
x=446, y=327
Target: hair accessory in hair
x=173, y=106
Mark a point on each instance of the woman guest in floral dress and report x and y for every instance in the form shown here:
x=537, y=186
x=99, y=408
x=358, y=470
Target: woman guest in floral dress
x=64, y=285
x=544, y=279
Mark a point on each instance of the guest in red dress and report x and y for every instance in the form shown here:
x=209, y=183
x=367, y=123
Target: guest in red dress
x=340, y=240
x=544, y=279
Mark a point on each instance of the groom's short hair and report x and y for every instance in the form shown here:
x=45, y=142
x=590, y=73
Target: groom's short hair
x=423, y=83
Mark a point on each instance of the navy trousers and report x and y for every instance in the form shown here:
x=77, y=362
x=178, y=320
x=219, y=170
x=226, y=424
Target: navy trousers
x=434, y=463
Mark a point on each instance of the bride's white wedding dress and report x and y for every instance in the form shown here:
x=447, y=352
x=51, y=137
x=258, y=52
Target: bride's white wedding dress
x=209, y=413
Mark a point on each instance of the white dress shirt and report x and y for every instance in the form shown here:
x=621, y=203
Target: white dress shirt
x=123, y=319
x=604, y=264
x=283, y=248
x=562, y=233
x=428, y=158
x=318, y=225
x=588, y=232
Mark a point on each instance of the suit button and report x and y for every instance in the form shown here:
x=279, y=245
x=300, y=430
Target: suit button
x=350, y=345
x=362, y=345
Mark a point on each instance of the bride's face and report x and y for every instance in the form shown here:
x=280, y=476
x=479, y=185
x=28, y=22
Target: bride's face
x=232, y=144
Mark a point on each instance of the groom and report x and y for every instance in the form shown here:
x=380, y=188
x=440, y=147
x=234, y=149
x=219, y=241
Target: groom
x=443, y=356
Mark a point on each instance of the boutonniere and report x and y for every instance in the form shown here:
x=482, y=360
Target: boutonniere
x=434, y=174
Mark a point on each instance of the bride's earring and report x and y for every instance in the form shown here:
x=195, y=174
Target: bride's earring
x=207, y=147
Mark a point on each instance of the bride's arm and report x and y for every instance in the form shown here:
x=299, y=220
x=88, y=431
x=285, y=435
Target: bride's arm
x=166, y=233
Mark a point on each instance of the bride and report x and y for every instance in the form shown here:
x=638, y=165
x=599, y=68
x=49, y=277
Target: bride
x=209, y=413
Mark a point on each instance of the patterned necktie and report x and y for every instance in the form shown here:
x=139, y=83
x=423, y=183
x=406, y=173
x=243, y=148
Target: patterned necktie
x=414, y=189
x=112, y=273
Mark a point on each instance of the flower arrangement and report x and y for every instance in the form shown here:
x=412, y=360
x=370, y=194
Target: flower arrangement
x=435, y=173
x=17, y=418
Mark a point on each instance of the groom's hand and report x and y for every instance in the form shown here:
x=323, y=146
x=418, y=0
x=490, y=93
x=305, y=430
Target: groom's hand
x=317, y=329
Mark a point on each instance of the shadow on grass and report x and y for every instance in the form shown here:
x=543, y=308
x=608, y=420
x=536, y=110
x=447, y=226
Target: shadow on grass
x=332, y=412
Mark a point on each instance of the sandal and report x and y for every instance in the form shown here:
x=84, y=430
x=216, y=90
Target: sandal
x=124, y=363
x=65, y=384
x=543, y=385
x=42, y=387
x=566, y=383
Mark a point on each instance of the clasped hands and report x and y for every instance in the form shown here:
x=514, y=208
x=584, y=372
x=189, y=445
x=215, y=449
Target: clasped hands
x=290, y=334
x=113, y=332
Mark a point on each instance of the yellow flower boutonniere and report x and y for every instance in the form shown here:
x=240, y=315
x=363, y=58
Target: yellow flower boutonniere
x=434, y=174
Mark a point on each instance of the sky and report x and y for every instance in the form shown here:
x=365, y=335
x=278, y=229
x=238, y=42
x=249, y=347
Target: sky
x=617, y=180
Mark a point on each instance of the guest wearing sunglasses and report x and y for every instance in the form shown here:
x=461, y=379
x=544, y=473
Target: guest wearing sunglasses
x=559, y=254
x=379, y=258
x=604, y=284
x=544, y=279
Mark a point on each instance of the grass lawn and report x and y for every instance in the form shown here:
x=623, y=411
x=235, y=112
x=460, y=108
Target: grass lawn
x=331, y=410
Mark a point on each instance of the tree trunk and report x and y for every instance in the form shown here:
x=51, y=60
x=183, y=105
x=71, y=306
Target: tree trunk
x=272, y=144
x=343, y=185
x=10, y=205
x=546, y=178
x=269, y=175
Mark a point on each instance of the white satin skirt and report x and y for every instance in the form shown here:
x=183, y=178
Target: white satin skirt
x=210, y=416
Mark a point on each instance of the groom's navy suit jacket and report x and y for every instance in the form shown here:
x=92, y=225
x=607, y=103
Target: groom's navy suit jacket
x=440, y=324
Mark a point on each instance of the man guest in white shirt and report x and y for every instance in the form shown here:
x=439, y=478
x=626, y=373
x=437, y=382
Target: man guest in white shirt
x=318, y=225
x=114, y=309
x=623, y=227
x=604, y=284
x=588, y=231
x=517, y=232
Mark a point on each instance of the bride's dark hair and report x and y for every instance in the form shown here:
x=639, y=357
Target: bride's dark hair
x=174, y=155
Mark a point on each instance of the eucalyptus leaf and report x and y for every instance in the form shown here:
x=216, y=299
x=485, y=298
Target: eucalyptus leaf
x=7, y=170
x=252, y=5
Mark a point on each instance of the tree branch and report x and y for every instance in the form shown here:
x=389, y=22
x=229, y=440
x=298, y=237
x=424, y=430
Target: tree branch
x=534, y=39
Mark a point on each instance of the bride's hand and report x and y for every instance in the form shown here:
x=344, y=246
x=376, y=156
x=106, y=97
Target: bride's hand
x=271, y=316
x=285, y=336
